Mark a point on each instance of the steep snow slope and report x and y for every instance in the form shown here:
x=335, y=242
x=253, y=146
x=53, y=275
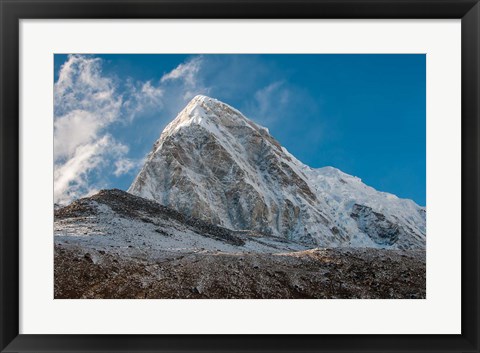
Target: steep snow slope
x=385, y=218
x=213, y=163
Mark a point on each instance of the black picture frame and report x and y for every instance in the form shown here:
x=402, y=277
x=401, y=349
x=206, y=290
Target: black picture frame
x=14, y=10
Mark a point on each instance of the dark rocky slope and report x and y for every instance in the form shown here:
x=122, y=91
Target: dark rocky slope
x=316, y=273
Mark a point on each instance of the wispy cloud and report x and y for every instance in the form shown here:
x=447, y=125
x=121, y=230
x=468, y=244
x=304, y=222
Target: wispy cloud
x=127, y=165
x=86, y=103
x=270, y=101
x=186, y=80
x=141, y=97
x=71, y=175
x=187, y=72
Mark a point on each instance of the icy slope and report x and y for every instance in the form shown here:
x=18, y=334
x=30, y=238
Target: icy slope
x=213, y=163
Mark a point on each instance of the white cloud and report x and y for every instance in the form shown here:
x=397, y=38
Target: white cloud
x=70, y=177
x=86, y=102
x=182, y=84
x=126, y=165
x=187, y=72
x=142, y=97
x=186, y=81
x=81, y=86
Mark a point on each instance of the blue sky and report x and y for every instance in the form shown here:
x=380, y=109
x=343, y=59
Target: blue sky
x=363, y=114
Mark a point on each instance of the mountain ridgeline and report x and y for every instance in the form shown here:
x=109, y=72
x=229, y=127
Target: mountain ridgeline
x=214, y=164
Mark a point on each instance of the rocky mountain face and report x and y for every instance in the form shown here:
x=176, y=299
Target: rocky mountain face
x=214, y=164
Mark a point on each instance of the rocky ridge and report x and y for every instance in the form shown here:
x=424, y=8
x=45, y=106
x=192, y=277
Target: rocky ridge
x=128, y=225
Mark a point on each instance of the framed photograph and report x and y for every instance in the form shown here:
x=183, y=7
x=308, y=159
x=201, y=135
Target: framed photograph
x=239, y=176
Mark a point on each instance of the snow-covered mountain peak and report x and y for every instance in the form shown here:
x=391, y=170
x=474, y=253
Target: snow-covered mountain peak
x=202, y=99
x=213, y=163
x=212, y=115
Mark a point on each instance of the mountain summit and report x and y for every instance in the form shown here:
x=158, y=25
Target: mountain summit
x=213, y=163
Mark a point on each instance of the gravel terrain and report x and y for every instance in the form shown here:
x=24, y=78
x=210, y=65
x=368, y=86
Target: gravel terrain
x=315, y=273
